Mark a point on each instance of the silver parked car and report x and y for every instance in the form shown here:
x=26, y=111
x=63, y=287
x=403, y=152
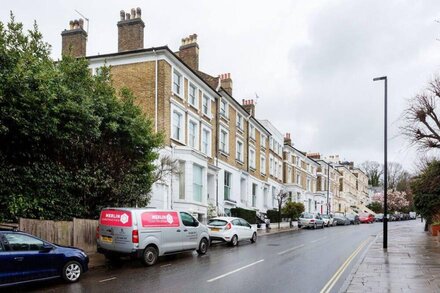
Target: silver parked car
x=310, y=220
x=328, y=220
x=341, y=219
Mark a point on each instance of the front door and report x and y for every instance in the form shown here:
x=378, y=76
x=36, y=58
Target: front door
x=190, y=231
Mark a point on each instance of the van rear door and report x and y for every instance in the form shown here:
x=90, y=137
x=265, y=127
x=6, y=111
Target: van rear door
x=115, y=230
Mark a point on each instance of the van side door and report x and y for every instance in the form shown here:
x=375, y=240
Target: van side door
x=190, y=231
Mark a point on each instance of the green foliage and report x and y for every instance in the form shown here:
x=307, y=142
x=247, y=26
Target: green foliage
x=273, y=216
x=293, y=209
x=69, y=144
x=376, y=207
x=426, y=190
x=248, y=215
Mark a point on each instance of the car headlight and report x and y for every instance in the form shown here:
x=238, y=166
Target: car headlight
x=83, y=253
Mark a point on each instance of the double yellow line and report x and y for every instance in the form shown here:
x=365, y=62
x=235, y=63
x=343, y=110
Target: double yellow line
x=328, y=287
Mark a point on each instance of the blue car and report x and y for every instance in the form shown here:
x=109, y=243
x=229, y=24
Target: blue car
x=26, y=258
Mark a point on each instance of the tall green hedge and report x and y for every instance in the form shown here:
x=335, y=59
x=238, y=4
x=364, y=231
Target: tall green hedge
x=248, y=215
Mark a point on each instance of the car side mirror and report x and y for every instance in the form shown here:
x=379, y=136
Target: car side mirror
x=46, y=247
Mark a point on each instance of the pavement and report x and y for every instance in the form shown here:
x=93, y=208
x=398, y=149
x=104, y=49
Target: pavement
x=283, y=261
x=410, y=264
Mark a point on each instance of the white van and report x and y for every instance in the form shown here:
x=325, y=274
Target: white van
x=149, y=233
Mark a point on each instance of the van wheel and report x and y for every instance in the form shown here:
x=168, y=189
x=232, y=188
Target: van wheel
x=203, y=246
x=150, y=256
x=234, y=240
x=254, y=238
x=72, y=271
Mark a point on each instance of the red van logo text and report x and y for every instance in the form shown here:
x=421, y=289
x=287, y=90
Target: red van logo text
x=116, y=218
x=160, y=219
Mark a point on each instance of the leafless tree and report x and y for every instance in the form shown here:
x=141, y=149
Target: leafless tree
x=395, y=173
x=167, y=167
x=422, y=124
x=281, y=198
x=374, y=171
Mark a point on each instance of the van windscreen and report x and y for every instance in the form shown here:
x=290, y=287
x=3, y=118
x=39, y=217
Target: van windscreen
x=217, y=223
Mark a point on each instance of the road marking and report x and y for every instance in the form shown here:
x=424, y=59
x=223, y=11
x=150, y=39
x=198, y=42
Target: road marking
x=290, y=249
x=319, y=239
x=234, y=271
x=167, y=265
x=106, y=280
x=328, y=287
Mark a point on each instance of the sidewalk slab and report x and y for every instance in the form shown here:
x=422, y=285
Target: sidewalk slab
x=410, y=264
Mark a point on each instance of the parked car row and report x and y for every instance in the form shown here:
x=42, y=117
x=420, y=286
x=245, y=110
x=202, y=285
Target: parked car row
x=310, y=220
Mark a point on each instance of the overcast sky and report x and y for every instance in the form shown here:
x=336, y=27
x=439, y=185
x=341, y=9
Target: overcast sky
x=310, y=62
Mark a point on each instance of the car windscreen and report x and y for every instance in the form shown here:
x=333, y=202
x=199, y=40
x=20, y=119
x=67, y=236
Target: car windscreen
x=325, y=216
x=217, y=223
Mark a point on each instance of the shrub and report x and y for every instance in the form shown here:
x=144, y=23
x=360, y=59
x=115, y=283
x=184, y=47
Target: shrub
x=248, y=215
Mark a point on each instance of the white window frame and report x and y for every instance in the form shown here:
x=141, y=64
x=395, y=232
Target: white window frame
x=252, y=158
x=206, y=97
x=180, y=85
x=263, y=164
x=241, y=157
x=196, y=96
x=196, y=134
x=252, y=131
x=263, y=141
x=224, y=113
x=271, y=165
x=226, y=150
x=182, y=125
x=208, y=151
x=239, y=118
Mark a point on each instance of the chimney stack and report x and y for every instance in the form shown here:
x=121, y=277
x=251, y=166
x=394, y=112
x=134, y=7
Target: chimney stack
x=226, y=82
x=315, y=156
x=74, y=39
x=189, y=52
x=130, y=30
x=287, y=139
x=249, y=106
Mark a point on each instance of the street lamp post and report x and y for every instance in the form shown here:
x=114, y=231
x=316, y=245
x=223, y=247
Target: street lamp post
x=385, y=164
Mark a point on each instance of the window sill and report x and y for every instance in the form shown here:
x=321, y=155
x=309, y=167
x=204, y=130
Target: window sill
x=193, y=107
x=224, y=117
x=224, y=153
x=252, y=169
x=178, y=141
x=239, y=162
x=177, y=95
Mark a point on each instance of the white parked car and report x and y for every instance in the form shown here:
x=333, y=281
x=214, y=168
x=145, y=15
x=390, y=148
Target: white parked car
x=231, y=230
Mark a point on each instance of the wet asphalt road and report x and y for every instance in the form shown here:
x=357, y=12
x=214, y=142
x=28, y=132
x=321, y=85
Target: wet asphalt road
x=299, y=261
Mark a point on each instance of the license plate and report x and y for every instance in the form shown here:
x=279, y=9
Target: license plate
x=106, y=239
x=215, y=229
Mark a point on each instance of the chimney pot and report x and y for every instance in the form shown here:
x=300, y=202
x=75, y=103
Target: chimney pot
x=189, y=51
x=130, y=30
x=74, y=40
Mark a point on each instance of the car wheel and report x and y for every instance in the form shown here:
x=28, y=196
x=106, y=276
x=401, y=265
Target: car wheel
x=322, y=227
x=150, y=256
x=72, y=271
x=254, y=238
x=299, y=226
x=203, y=246
x=234, y=240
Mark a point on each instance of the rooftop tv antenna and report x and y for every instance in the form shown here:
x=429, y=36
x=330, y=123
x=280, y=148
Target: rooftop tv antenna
x=85, y=19
x=256, y=98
